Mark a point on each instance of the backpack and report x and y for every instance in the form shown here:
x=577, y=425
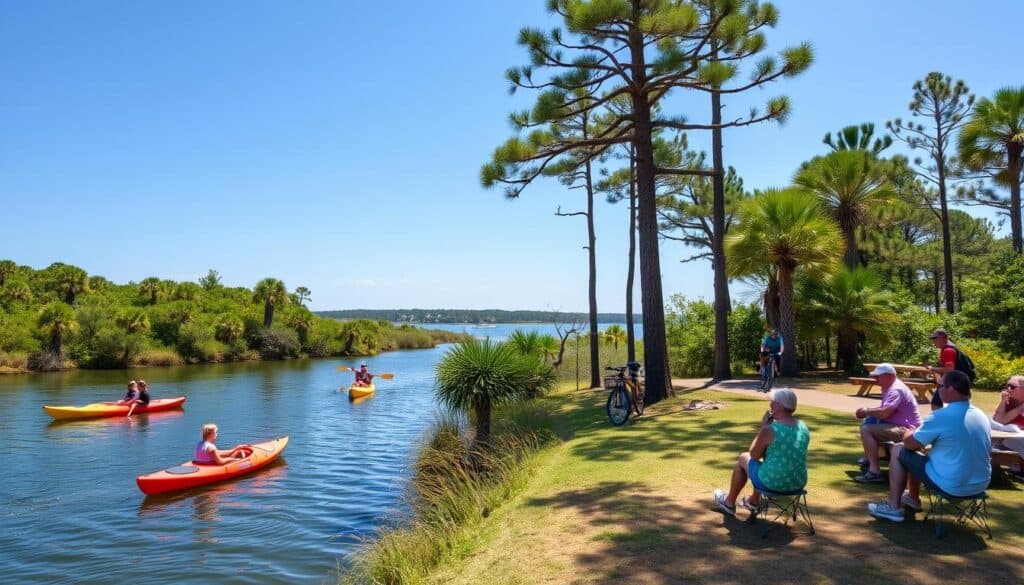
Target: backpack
x=964, y=364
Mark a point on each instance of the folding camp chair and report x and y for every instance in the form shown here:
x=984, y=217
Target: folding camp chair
x=963, y=509
x=785, y=504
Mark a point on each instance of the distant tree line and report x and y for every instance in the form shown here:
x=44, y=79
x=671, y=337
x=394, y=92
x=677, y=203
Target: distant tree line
x=485, y=316
x=61, y=317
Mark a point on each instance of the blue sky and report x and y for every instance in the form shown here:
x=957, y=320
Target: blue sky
x=337, y=146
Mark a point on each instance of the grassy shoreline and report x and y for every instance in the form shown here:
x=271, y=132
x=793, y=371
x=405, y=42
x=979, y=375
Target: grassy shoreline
x=632, y=504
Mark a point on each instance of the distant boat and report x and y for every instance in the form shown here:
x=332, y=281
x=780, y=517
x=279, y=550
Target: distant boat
x=486, y=326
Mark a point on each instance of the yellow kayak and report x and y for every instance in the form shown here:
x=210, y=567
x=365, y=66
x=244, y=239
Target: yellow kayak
x=360, y=391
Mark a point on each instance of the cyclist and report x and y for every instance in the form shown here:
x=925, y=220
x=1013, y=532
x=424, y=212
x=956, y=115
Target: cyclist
x=773, y=345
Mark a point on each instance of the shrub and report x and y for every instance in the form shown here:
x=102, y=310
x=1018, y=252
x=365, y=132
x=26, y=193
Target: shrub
x=690, y=330
x=48, y=361
x=408, y=338
x=14, y=361
x=278, y=344
x=158, y=357
x=746, y=329
x=193, y=339
x=992, y=366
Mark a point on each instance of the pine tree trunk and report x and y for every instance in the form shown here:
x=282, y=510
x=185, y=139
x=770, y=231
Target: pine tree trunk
x=947, y=246
x=631, y=265
x=652, y=299
x=718, y=260
x=938, y=303
x=595, y=366
x=268, y=315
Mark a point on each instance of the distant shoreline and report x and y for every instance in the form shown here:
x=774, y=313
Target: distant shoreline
x=470, y=316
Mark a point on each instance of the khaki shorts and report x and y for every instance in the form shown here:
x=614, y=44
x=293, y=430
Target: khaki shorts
x=887, y=432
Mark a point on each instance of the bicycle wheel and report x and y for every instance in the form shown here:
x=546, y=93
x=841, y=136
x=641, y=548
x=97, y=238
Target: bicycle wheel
x=618, y=406
x=638, y=401
x=769, y=378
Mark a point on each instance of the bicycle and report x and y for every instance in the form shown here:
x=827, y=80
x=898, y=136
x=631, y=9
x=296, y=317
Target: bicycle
x=624, y=395
x=769, y=370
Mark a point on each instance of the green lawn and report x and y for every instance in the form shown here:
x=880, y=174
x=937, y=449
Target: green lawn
x=632, y=505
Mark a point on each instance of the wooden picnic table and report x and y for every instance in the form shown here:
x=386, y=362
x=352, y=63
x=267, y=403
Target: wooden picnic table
x=923, y=384
x=1002, y=456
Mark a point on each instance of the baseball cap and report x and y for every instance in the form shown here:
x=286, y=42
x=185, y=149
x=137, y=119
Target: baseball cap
x=940, y=332
x=785, y=398
x=882, y=369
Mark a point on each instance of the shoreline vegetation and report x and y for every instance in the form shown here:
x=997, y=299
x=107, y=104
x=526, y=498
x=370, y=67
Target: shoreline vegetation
x=61, y=318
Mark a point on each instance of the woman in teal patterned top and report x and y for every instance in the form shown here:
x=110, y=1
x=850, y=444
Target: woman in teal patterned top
x=777, y=459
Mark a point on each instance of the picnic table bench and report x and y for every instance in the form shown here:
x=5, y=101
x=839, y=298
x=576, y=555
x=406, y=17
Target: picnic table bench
x=918, y=378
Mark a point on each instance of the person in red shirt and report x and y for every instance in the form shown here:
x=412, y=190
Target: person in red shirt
x=947, y=360
x=363, y=376
x=1010, y=411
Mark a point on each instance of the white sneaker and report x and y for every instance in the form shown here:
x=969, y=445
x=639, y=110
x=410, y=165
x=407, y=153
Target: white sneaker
x=720, y=496
x=912, y=503
x=884, y=510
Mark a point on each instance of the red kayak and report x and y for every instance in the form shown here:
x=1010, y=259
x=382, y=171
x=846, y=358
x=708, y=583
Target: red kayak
x=99, y=409
x=189, y=475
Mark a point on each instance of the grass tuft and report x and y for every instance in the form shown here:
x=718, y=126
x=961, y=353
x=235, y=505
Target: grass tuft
x=454, y=489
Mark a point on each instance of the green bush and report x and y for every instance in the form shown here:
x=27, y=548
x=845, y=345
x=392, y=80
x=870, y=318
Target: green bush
x=746, y=330
x=690, y=329
x=992, y=366
x=158, y=357
x=278, y=344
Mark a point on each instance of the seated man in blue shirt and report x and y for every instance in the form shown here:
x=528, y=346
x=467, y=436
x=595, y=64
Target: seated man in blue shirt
x=959, y=462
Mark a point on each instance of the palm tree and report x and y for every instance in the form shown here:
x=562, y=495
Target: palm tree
x=788, y=229
x=849, y=184
x=525, y=342
x=992, y=143
x=228, y=328
x=187, y=291
x=7, y=268
x=549, y=346
x=271, y=292
x=57, y=321
x=858, y=138
x=851, y=299
x=302, y=321
x=16, y=290
x=152, y=288
x=303, y=294
x=479, y=374
x=614, y=335
x=68, y=281
x=133, y=321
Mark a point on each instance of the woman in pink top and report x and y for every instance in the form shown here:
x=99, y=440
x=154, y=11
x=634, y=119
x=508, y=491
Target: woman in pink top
x=208, y=454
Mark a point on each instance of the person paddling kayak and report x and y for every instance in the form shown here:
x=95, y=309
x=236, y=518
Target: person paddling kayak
x=208, y=454
x=363, y=376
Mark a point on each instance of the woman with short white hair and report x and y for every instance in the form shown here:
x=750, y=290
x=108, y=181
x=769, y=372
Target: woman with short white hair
x=777, y=458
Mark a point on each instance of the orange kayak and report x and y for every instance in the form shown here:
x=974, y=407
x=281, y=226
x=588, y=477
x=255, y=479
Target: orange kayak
x=99, y=409
x=189, y=475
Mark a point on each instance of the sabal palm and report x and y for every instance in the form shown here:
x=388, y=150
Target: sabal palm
x=7, y=268
x=852, y=299
x=526, y=342
x=151, y=288
x=993, y=140
x=478, y=374
x=271, y=292
x=849, y=184
x=614, y=335
x=228, y=328
x=57, y=321
x=133, y=321
x=70, y=281
x=303, y=294
x=787, y=229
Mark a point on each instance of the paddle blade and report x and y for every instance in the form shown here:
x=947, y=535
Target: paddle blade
x=386, y=376
x=343, y=368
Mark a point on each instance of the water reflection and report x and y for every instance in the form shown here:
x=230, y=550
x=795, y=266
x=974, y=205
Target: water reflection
x=139, y=421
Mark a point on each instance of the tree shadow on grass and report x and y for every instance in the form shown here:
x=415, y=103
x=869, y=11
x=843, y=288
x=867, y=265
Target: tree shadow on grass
x=624, y=532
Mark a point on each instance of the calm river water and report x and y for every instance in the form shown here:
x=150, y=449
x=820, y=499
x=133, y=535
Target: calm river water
x=70, y=511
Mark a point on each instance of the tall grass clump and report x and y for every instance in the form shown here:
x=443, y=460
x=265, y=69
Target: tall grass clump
x=576, y=358
x=455, y=487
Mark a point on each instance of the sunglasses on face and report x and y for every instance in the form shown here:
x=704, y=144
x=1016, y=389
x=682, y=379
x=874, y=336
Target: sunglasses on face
x=1011, y=386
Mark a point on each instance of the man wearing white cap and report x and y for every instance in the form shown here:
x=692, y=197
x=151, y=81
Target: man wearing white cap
x=890, y=421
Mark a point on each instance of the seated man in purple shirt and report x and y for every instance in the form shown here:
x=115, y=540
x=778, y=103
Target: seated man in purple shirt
x=890, y=421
